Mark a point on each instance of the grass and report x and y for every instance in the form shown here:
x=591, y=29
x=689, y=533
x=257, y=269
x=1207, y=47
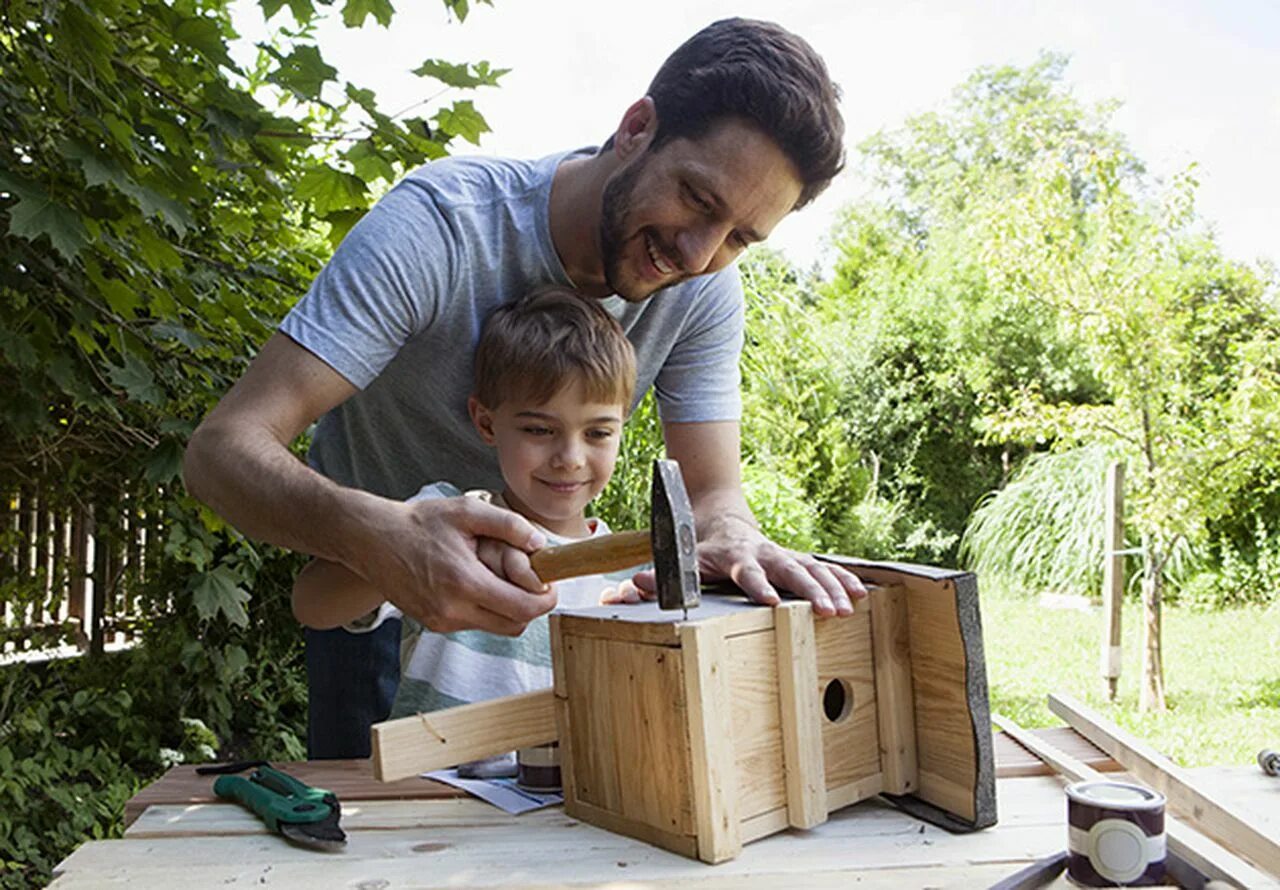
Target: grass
x=1222, y=674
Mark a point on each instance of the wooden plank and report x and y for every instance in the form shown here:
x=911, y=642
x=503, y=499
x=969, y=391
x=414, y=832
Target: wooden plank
x=625, y=709
x=895, y=704
x=799, y=706
x=1203, y=853
x=545, y=848
x=1012, y=760
x=949, y=680
x=850, y=741
x=684, y=844
x=759, y=767
x=855, y=792
x=944, y=736
x=412, y=745
x=705, y=656
x=648, y=624
x=1198, y=805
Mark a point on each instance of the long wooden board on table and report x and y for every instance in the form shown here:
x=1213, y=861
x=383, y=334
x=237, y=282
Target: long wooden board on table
x=871, y=844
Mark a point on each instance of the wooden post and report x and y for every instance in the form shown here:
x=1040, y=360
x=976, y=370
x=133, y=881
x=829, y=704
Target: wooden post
x=79, y=608
x=1113, y=578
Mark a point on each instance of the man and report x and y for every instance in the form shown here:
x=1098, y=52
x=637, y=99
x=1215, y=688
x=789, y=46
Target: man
x=739, y=127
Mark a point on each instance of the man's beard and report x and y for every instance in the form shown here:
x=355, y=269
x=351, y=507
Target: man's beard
x=615, y=207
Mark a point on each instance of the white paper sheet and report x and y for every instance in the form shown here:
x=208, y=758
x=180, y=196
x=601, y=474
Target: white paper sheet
x=502, y=793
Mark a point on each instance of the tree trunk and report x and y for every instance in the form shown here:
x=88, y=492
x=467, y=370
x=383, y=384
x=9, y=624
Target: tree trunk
x=1152, y=695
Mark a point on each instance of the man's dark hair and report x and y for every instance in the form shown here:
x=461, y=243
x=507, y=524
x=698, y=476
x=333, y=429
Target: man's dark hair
x=764, y=74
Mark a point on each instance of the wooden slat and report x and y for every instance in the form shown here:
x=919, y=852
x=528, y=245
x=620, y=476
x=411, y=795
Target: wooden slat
x=705, y=655
x=412, y=745
x=895, y=706
x=1201, y=852
x=1198, y=805
x=799, y=705
x=753, y=703
x=625, y=714
x=850, y=746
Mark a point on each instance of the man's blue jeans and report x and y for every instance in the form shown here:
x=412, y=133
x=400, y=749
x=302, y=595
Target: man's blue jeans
x=351, y=682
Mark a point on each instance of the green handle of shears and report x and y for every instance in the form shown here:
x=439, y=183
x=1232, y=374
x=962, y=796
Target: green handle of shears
x=275, y=796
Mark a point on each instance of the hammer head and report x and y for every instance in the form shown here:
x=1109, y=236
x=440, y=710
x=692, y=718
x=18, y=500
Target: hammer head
x=674, y=542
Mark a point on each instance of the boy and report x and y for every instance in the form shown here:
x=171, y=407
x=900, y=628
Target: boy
x=554, y=378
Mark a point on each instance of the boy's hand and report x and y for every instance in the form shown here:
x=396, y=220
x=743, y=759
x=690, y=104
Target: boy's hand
x=626, y=592
x=452, y=564
x=730, y=547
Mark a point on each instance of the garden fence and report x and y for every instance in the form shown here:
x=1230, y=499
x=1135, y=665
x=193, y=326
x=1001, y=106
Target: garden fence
x=71, y=573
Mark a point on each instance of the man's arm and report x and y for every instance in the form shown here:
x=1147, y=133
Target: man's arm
x=730, y=544
x=423, y=553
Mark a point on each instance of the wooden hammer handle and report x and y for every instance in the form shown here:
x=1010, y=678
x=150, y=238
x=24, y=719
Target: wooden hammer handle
x=593, y=556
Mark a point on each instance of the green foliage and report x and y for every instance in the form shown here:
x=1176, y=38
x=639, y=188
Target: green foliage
x=161, y=207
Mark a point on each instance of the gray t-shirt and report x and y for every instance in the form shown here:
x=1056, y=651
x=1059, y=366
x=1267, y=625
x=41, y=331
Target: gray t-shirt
x=398, y=309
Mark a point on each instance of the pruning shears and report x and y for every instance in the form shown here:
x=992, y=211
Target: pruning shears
x=305, y=815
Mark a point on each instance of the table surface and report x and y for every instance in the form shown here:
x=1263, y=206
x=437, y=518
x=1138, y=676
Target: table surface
x=440, y=840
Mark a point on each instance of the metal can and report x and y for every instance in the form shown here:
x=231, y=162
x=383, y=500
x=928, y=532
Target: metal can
x=1115, y=834
x=538, y=769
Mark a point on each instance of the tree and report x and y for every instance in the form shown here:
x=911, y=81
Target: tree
x=161, y=206
x=1184, y=342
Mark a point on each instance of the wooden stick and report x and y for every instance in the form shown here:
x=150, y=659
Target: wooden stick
x=412, y=745
x=592, y=556
x=801, y=718
x=1198, y=806
x=1113, y=579
x=1201, y=852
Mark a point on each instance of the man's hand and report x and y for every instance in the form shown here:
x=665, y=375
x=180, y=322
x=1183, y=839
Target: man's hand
x=729, y=543
x=458, y=564
x=731, y=547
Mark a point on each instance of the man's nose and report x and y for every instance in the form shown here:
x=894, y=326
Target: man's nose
x=699, y=247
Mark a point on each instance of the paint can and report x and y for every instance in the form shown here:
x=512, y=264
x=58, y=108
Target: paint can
x=538, y=769
x=1115, y=834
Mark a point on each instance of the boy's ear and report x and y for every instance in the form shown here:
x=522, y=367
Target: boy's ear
x=482, y=419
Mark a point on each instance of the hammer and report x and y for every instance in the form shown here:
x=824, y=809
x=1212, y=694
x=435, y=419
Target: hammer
x=670, y=541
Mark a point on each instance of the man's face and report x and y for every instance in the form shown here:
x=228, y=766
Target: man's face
x=690, y=207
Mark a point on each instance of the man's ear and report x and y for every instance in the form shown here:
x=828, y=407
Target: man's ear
x=637, y=129
x=482, y=419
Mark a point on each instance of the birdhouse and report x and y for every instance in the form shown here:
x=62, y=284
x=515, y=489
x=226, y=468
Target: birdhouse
x=702, y=734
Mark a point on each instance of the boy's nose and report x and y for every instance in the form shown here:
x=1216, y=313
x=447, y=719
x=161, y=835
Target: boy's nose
x=568, y=455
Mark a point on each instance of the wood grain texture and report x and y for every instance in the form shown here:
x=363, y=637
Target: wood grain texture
x=594, y=556
x=705, y=657
x=850, y=744
x=800, y=708
x=626, y=718
x=1199, y=805
x=412, y=745
x=751, y=673
x=895, y=702
x=949, y=685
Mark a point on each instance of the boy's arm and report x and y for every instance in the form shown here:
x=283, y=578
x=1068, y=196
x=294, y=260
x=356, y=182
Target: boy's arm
x=328, y=595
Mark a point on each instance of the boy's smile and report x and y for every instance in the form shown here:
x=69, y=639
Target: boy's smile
x=555, y=457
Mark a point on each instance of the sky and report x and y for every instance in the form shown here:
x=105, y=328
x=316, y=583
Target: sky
x=1199, y=80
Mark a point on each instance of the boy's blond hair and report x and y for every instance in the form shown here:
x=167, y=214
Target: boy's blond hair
x=533, y=347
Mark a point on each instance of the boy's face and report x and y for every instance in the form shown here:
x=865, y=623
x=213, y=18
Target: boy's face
x=555, y=457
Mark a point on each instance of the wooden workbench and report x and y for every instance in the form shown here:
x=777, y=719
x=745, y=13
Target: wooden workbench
x=440, y=840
